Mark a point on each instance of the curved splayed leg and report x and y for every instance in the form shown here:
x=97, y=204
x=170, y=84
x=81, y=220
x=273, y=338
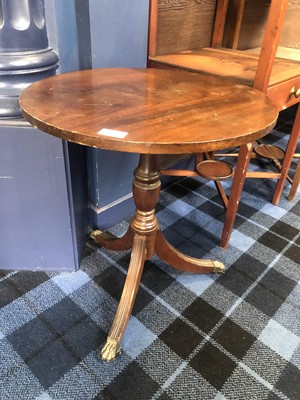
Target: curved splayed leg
x=138, y=257
x=112, y=242
x=178, y=260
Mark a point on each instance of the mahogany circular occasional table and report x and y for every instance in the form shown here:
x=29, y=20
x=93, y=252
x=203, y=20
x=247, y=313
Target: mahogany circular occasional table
x=150, y=112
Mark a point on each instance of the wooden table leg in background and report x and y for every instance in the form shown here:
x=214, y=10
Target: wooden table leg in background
x=288, y=158
x=238, y=181
x=146, y=239
x=295, y=184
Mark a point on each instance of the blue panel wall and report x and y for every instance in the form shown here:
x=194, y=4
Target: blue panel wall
x=119, y=34
x=61, y=20
x=43, y=192
x=43, y=201
x=35, y=221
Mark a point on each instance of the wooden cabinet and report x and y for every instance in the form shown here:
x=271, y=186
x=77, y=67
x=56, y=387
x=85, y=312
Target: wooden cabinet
x=183, y=25
x=251, y=42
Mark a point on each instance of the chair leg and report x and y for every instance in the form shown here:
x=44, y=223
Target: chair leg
x=236, y=191
x=290, y=150
x=219, y=187
x=295, y=184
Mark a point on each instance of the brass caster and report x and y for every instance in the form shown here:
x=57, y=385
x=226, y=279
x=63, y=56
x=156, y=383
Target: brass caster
x=95, y=233
x=110, y=349
x=219, y=267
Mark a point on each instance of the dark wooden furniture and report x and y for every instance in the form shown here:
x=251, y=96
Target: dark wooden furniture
x=277, y=77
x=296, y=179
x=151, y=112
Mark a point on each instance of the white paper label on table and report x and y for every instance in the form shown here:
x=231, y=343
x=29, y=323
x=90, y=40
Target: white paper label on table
x=112, y=133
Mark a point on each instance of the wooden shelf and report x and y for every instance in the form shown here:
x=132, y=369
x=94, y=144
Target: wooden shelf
x=234, y=64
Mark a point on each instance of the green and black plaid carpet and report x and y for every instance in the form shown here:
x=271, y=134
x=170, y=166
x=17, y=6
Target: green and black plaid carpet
x=231, y=336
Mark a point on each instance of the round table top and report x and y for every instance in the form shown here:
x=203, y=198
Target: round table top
x=148, y=111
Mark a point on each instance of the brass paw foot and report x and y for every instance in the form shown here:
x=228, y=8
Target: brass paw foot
x=95, y=233
x=110, y=349
x=219, y=267
x=112, y=242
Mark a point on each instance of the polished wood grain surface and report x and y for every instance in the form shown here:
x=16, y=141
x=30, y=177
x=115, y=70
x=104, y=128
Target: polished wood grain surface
x=157, y=111
x=239, y=66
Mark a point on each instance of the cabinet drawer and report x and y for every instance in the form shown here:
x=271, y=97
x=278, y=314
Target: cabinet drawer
x=282, y=95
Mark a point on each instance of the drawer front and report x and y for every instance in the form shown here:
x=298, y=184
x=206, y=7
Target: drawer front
x=282, y=95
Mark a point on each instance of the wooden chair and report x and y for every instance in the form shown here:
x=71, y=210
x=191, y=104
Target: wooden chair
x=294, y=55
x=278, y=77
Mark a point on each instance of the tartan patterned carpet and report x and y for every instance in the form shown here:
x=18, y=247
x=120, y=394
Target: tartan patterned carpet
x=231, y=336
